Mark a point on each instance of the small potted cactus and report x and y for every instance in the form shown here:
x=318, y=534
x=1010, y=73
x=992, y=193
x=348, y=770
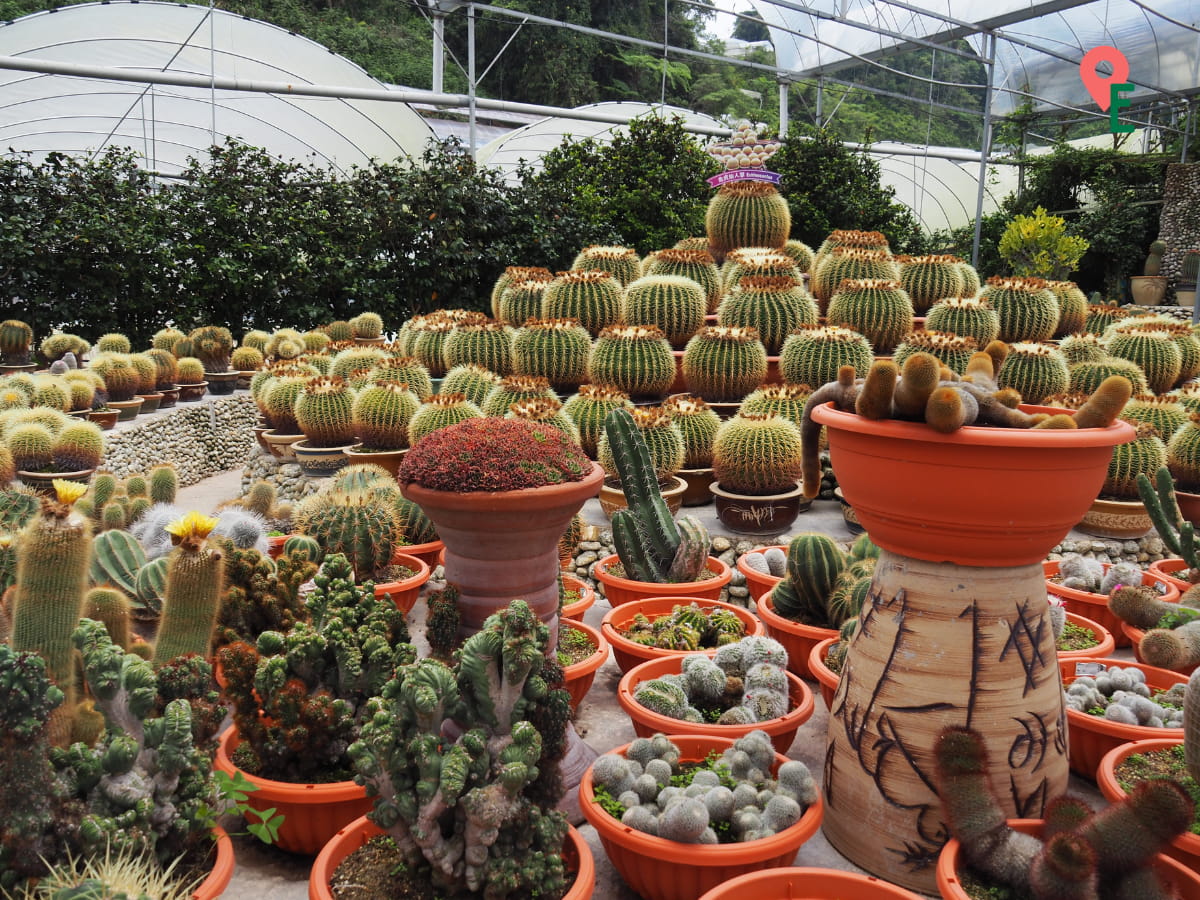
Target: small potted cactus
x=121, y=383
x=246, y=361
x=380, y=417
x=1149, y=288
x=16, y=339
x=189, y=375
x=324, y=412
x=1119, y=511
x=213, y=346
x=756, y=467
x=367, y=328
x=698, y=425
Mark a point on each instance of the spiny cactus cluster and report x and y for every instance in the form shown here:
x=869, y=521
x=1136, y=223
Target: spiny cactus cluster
x=775, y=306
x=691, y=627
x=590, y=407
x=554, y=349
x=663, y=438
x=823, y=585
x=1122, y=695
x=732, y=799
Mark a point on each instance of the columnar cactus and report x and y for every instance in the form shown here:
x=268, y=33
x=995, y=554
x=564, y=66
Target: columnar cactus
x=633, y=358
x=696, y=264
x=381, y=413
x=592, y=298
x=1035, y=371
x=511, y=275
x=747, y=214
x=757, y=454
x=512, y=389
x=590, y=407
x=879, y=310
x=439, y=411
x=472, y=381
x=854, y=264
x=698, y=425
x=722, y=363
x=489, y=345
x=622, y=263
x=1154, y=258
x=673, y=303
x=522, y=301
x=1072, y=307
x=953, y=350
x=775, y=306
x=195, y=576
x=813, y=356
x=1154, y=352
x=554, y=349
x=1027, y=309
x=324, y=410
x=815, y=564
x=928, y=279
x=662, y=438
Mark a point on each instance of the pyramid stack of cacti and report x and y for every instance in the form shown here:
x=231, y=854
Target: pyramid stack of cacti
x=747, y=214
x=593, y=298
x=724, y=363
x=698, y=425
x=589, y=408
x=813, y=356
x=696, y=264
x=774, y=305
x=554, y=349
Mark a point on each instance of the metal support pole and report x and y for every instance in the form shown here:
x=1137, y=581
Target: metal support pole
x=471, y=77
x=985, y=146
x=439, y=51
x=820, y=98
x=784, y=84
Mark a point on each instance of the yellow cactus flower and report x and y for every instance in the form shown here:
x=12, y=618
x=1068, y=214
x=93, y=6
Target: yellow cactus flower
x=194, y=525
x=68, y=491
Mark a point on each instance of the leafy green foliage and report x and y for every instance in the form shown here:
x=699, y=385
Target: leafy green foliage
x=235, y=790
x=1038, y=244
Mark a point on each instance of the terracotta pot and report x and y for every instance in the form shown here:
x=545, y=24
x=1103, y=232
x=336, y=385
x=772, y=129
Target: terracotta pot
x=770, y=514
x=647, y=723
x=1095, y=606
x=320, y=462
x=587, y=597
x=275, y=544
x=773, y=376
x=190, y=393
x=1169, y=571
x=105, y=418
x=576, y=853
x=1093, y=736
x=849, y=516
x=1147, y=290
x=630, y=653
x=18, y=368
x=578, y=677
x=697, y=480
x=1186, y=884
x=818, y=884
x=218, y=879
x=613, y=498
x=1184, y=849
x=501, y=545
x=388, y=459
x=245, y=376
x=797, y=638
x=1005, y=495
x=821, y=673
x=44, y=481
x=126, y=409
x=1105, y=641
x=757, y=582
x=371, y=341
x=659, y=869
x=150, y=402
x=222, y=383
x=618, y=590
x=170, y=396
x=679, y=385
x=1126, y=520
x=404, y=593
x=313, y=813
x=1189, y=506
x=429, y=553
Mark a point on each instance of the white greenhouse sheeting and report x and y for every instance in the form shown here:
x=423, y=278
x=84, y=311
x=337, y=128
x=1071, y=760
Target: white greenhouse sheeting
x=165, y=124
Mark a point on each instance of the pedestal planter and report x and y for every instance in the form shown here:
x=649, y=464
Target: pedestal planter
x=797, y=638
x=105, y=418
x=126, y=409
x=222, y=383
x=659, y=869
x=320, y=462
x=151, y=402
x=576, y=854
x=429, y=553
x=44, y=481
x=746, y=514
x=587, y=597
x=313, y=813
x=170, y=396
x=404, y=593
x=613, y=498
x=501, y=545
x=578, y=677
x=800, y=881
x=222, y=871
x=647, y=723
x=190, y=393
x=618, y=590
x=388, y=459
x=1095, y=606
x=1125, y=520
x=697, y=480
x=630, y=653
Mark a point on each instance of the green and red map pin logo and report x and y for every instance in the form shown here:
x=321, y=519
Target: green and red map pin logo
x=1106, y=90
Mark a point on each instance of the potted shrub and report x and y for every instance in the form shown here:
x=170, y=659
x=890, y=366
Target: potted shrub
x=246, y=361
x=213, y=346
x=664, y=440
x=756, y=464
x=75, y=452
x=367, y=328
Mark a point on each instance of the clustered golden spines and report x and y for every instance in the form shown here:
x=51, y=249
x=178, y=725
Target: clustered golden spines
x=868, y=284
x=602, y=392
x=1034, y=348
x=863, y=254
x=325, y=384
x=685, y=404
x=767, y=282
x=1026, y=284
x=681, y=255
x=632, y=332
x=585, y=276
x=742, y=334
x=830, y=333
x=651, y=417
x=940, y=340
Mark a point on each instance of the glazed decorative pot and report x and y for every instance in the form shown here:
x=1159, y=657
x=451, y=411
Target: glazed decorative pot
x=105, y=418
x=320, y=462
x=44, y=481
x=747, y=514
x=618, y=590
x=126, y=409
x=697, y=480
x=388, y=459
x=151, y=402
x=629, y=653
x=1148, y=290
x=222, y=383
x=1125, y=520
x=190, y=393
x=170, y=396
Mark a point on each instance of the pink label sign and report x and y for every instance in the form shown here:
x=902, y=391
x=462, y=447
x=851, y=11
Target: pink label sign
x=744, y=175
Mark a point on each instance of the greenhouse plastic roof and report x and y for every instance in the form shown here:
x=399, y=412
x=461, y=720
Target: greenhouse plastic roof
x=1159, y=38
x=166, y=124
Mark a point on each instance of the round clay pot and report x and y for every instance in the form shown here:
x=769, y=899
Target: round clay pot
x=218, y=879
x=797, y=638
x=280, y=445
x=749, y=514
x=1005, y=495
x=1170, y=570
x=126, y=409
x=578, y=677
x=105, y=418
x=587, y=597
x=170, y=396
x=222, y=383
x=1126, y=520
x=630, y=653
x=759, y=583
x=429, y=553
x=388, y=459
x=613, y=498
x=1095, y=606
x=1105, y=641
x=696, y=493
x=1147, y=290
x=1189, y=506
x=44, y=481
x=801, y=881
x=320, y=462
x=404, y=592
x=618, y=590
x=190, y=393
x=150, y=402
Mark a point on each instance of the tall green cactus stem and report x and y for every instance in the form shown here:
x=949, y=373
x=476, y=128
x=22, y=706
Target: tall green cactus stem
x=1035, y=371
x=546, y=411
x=723, y=363
x=928, y=279
x=1163, y=412
x=381, y=414
x=1072, y=307
x=513, y=389
x=775, y=306
x=513, y=275
x=1183, y=455
x=879, y=310
x=853, y=264
x=110, y=608
x=633, y=358
x=1158, y=496
x=662, y=438
x=554, y=349
x=324, y=410
x=622, y=263
x=78, y=446
x=785, y=400
x=472, y=381
x=428, y=343
x=1086, y=377
x=192, y=599
x=589, y=408
x=52, y=571
x=696, y=264
x=747, y=214
x=1154, y=352
x=1027, y=309
x=489, y=345
x=16, y=337
x=522, y=301
x=763, y=262
x=801, y=253
x=814, y=564
x=592, y=298
x=117, y=558
x=406, y=370
x=651, y=546
x=1144, y=455
x=757, y=454
x=952, y=350
x=439, y=411
x=813, y=356
x=1154, y=258
x=698, y=424
x=672, y=303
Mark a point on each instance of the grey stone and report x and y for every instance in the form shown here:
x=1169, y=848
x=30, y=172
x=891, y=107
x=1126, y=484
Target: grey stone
x=739, y=592
x=737, y=578
x=586, y=559
x=589, y=545
x=720, y=544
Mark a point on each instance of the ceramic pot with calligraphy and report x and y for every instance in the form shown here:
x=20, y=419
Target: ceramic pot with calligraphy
x=759, y=514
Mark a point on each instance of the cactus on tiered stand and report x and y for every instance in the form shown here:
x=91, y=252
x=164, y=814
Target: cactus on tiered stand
x=324, y=410
x=723, y=363
x=851, y=263
x=696, y=264
x=673, y=303
x=622, y=263
x=661, y=436
x=592, y=298
x=698, y=424
x=747, y=214
x=1027, y=309
x=512, y=275
x=554, y=349
x=488, y=344
x=590, y=407
x=776, y=306
x=1072, y=307
x=879, y=310
x=472, y=381
x=439, y=411
x=928, y=279
x=381, y=413
x=633, y=358
x=522, y=300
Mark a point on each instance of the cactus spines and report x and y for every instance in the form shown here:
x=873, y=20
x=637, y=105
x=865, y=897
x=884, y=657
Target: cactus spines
x=1102, y=315
x=851, y=263
x=801, y=253
x=775, y=305
x=813, y=356
x=1166, y=415
x=547, y=411
x=786, y=400
x=110, y=608
x=366, y=325
x=814, y=564
x=522, y=301
x=429, y=341
x=757, y=454
x=970, y=277
x=661, y=436
x=353, y=522
x=470, y=380
x=1154, y=352
x=192, y=596
x=1086, y=377
x=1027, y=309
x=765, y=262
x=188, y=370
x=554, y=349
x=406, y=370
x=353, y=358
x=879, y=310
x=381, y=413
x=696, y=264
x=590, y=407
x=1145, y=455
x=633, y=358
x=512, y=275
x=698, y=424
x=724, y=363
x=1072, y=307
x=1082, y=347
x=31, y=446
x=593, y=298
x=488, y=344
x=928, y=279
x=1035, y=371
x=112, y=342
x=439, y=411
x=673, y=303
x=747, y=214
x=1183, y=455
x=952, y=350
x=323, y=411
x=79, y=446
x=622, y=263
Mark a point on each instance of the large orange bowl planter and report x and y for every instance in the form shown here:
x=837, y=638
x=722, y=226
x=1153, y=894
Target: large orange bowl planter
x=647, y=723
x=618, y=590
x=1095, y=606
x=797, y=638
x=630, y=653
x=658, y=869
x=218, y=879
x=404, y=592
x=576, y=854
x=1105, y=641
x=759, y=583
x=978, y=497
x=1170, y=569
x=796, y=882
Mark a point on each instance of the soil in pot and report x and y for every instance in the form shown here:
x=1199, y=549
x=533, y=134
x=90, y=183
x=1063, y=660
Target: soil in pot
x=1076, y=637
x=1169, y=763
x=705, y=575
x=574, y=646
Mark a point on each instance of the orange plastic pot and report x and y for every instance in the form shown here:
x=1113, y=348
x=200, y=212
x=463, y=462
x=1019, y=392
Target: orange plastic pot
x=576, y=854
x=618, y=590
x=1169, y=570
x=578, y=677
x=1106, y=642
x=795, y=883
x=757, y=582
x=1135, y=635
x=1090, y=737
x=275, y=544
x=587, y=597
x=630, y=653
x=1184, y=882
x=429, y=553
x=404, y=592
x=1095, y=606
x=658, y=869
x=312, y=813
x=1185, y=848
x=222, y=871
x=821, y=673
x=647, y=723
x=797, y=638
x=978, y=497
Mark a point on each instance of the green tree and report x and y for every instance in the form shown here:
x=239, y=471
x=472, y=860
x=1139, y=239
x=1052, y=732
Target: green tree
x=748, y=30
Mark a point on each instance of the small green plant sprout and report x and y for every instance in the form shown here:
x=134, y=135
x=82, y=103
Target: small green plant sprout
x=234, y=791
